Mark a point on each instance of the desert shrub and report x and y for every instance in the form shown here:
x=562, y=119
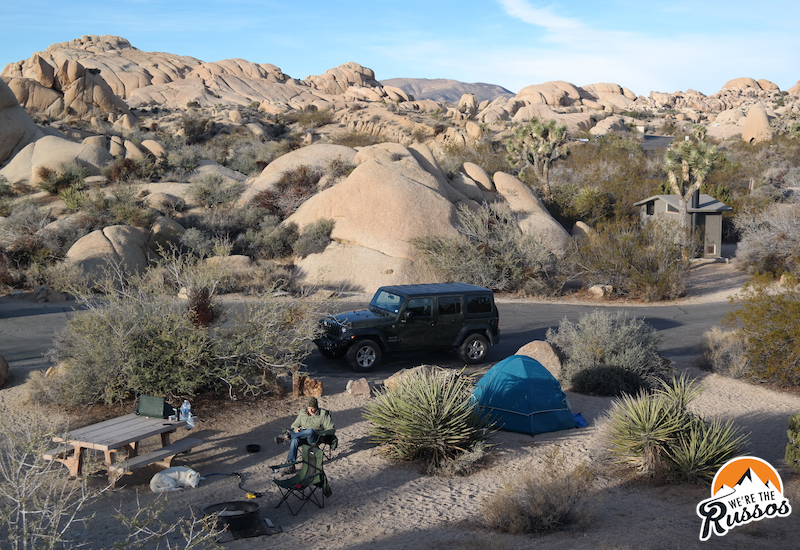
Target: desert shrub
x=770, y=239
x=309, y=118
x=768, y=320
x=121, y=169
x=251, y=156
x=429, y=416
x=23, y=246
x=488, y=155
x=552, y=498
x=229, y=222
x=638, y=262
x=147, y=527
x=72, y=197
x=6, y=194
x=352, y=138
x=617, y=169
x=137, y=337
x=623, y=351
x=211, y=190
x=657, y=435
x=290, y=191
x=491, y=251
x=194, y=126
x=180, y=160
x=37, y=508
x=792, y=455
x=121, y=206
x=572, y=203
x=197, y=242
x=271, y=239
x=338, y=168
x=724, y=352
x=315, y=238
x=54, y=181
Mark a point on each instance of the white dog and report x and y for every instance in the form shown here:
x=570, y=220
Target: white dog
x=175, y=479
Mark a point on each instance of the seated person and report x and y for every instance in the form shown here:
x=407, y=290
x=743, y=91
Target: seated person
x=306, y=429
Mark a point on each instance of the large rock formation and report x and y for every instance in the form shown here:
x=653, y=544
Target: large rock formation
x=117, y=244
x=756, y=125
x=395, y=196
x=17, y=129
x=53, y=152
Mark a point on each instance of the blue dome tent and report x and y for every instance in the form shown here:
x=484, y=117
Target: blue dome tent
x=520, y=395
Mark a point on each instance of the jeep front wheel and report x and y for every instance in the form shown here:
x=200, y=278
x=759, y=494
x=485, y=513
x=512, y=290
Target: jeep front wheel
x=364, y=355
x=473, y=349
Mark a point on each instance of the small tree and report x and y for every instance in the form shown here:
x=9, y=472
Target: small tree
x=537, y=144
x=687, y=166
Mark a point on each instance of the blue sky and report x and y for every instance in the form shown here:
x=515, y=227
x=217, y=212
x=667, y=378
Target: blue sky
x=650, y=45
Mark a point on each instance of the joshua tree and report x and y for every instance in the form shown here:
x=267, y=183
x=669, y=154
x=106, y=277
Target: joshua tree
x=537, y=144
x=687, y=166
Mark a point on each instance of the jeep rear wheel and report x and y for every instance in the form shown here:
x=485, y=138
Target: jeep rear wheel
x=473, y=349
x=364, y=355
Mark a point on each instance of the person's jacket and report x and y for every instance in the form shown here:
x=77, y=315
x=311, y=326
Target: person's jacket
x=318, y=422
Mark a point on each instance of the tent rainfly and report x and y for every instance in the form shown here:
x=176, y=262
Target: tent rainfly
x=520, y=395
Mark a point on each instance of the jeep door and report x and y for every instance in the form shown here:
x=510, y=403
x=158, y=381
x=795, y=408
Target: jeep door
x=417, y=327
x=449, y=319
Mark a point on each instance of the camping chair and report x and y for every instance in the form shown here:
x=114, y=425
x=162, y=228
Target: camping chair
x=328, y=442
x=304, y=484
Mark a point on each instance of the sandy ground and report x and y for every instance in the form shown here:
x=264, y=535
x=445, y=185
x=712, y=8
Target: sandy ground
x=377, y=504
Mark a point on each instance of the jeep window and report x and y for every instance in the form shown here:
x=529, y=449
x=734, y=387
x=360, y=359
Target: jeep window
x=479, y=304
x=385, y=303
x=449, y=305
x=420, y=307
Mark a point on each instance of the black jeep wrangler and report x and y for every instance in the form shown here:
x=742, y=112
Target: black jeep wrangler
x=443, y=316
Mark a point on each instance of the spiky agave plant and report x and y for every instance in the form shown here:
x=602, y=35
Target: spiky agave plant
x=641, y=429
x=431, y=416
x=703, y=447
x=659, y=435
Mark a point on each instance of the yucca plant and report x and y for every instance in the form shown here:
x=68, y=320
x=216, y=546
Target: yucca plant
x=430, y=417
x=703, y=448
x=680, y=390
x=642, y=428
x=657, y=434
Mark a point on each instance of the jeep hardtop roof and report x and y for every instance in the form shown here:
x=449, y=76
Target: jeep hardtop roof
x=433, y=288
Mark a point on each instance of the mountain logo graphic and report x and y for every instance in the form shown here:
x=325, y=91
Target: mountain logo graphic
x=745, y=489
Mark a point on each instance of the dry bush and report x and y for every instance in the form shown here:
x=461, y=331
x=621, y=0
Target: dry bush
x=292, y=189
x=643, y=262
x=309, y=118
x=351, y=138
x=212, y=191
x=491, y=251
x=770, y=239
x=549, y=499
x=609, y=353
x=55, y=181
x=724, y=352
x=39, y=506
x=767, y=318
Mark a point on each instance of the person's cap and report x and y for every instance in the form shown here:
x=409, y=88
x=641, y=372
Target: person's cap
x=312, y=402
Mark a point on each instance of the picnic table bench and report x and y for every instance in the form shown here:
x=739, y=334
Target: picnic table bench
x=117, y=434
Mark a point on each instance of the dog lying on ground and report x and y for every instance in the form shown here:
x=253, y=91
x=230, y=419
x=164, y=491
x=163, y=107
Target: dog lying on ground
x=175, y=479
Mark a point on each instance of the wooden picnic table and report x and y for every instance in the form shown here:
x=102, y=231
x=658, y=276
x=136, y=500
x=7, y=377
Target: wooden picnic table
x=111, y=436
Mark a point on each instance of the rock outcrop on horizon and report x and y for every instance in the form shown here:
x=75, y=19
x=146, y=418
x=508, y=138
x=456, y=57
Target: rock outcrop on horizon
x=98, y=98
